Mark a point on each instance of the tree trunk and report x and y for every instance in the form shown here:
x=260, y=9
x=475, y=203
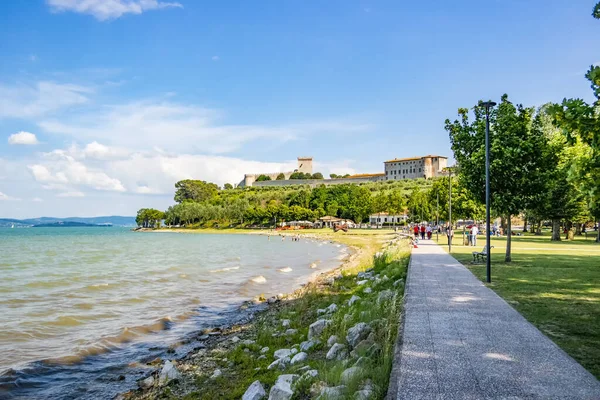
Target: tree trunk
x=538, y=229
x=555, y=230
x=598, y=232
x=503, y=223
x=525, y=225
x=578, y=229
x=508, y=240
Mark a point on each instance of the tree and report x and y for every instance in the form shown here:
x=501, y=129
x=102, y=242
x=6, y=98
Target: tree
x=334, y=176
x=228, y=186
x=419, y=206
x=580, y=122
x=194, y=190
x=149, y=218
x=317, y=175
x=516, y=170
x=297, y=175
x=262, y=178
x=280, y=177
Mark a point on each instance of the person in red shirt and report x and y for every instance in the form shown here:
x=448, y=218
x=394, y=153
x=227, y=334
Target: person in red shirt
x=423, y=232
x=416, y=229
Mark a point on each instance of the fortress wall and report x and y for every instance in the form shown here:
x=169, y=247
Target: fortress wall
x=316, y=182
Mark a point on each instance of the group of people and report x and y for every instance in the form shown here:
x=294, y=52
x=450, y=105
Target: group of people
x=423, y=230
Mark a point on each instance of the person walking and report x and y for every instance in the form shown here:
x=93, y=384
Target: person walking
x=423, y=231
x=450, y=234
x=474, y=232
x=428, y=230
x=416, y=230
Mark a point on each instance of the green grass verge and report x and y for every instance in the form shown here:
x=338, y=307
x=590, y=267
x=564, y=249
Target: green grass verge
x=554, y=285
x=241, y=364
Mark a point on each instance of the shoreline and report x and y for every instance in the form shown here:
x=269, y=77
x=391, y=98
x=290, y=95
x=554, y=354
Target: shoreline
x=224, y=338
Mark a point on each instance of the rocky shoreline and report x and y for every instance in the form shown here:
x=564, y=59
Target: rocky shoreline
x=226, y=352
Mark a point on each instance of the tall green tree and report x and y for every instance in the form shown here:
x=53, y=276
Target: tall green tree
x=195, y=190
x=580, y=121
x=262, y=178
x=516, y=172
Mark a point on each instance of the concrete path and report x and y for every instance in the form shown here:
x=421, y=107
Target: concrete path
x=462, y=341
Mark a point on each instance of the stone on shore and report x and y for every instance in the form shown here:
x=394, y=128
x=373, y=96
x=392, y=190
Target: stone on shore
x=309, y=344
x=337, y=352
x=353, y=300
x=298, y=358
x=357, y=333
x=332, y=340
x=168, y=373
x=255, y=392
x=316, y=328
x=351, y=373
x=146, y=383
x=281, y=353
x=282, y=389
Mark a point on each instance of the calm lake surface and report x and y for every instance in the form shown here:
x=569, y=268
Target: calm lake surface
x=79, y=304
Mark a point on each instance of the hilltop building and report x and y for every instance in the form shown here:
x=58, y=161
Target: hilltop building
x=425, y=167
x=415, y=167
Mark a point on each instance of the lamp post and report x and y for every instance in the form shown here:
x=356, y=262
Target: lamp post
x=450, y=208
x=437, y=219
x=487, y=105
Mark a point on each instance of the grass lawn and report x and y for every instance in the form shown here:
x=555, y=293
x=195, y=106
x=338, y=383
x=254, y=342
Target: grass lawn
x=555, y=285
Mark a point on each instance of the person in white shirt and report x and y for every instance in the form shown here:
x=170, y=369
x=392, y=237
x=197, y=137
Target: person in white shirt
x=474, y=232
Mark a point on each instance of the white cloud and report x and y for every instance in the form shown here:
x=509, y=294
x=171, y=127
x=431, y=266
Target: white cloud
x=33, y=58
x=37, y=200
x=71, y=194
x=30, y=101
x=215, y=58
x=22, y=137
x=180, y=127
x=5, y=197
x=59, y=170
x=109, y=9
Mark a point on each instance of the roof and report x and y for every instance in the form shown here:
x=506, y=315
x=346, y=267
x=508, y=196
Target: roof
x=413, y=158
x=365, y=175
x=329, y=218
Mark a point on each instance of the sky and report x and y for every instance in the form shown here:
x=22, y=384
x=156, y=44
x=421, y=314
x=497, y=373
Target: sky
x=105, y=104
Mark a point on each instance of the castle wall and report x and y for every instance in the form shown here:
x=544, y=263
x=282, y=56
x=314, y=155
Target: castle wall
x=316, y=182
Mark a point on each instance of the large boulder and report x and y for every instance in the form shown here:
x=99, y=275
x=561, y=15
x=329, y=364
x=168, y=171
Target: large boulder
x=168, y=373
x=316, y=328
x=357, y=333
x=350, y=374
x=255, y=392
x=281, y=363
x=299, y=358
x=282, y=389
x=353, y=300
x=332, y=393
x=308, y=345
x=332, y=340
x=281, y=353
x=337, y=352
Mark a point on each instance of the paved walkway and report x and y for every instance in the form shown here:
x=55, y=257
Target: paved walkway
x=462, y=341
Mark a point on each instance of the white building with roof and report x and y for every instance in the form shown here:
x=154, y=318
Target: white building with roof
x=414, y=167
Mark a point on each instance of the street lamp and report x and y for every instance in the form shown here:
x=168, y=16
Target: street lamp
x=487, y=105
x=449, y=170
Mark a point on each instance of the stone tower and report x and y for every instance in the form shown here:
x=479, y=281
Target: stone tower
x=305, y=165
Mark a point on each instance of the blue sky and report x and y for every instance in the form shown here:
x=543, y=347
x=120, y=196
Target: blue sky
x=125, y=97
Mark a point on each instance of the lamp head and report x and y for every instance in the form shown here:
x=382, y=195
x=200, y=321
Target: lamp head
x=488, y=104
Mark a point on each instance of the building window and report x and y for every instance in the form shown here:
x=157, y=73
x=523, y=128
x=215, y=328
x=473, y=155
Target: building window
x=419, y=169
x=404, y=177
x=385, y=219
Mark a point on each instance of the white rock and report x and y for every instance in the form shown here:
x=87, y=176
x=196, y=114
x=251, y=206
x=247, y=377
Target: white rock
x=332, y=340
x=337, y=352
x=263, y=357
x=282, y=389
x=353, y=300
x=264, y=350
x=281, y=353
x=384, y=296
x=255, y=392
x=291, y=332
x=248, y=342
x=368, y=290
x=285, y=323
x=294, y=350
x=313, y=373
x=357, y=333
x=363, y=395
x=216, y=374
x=308, y=345
x=298, y=358
x=146, y=383
x=363, y=282
x=321, y=311
x=168, y=373
x=350, y=374
x=235, y=339
x=332, y=393
x=316, y=328
x=281, y=363
x=399, y=282
x=332, y=308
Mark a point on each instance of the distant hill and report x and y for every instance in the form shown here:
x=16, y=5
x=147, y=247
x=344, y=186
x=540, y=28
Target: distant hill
x=68, y=224
x=114, y=220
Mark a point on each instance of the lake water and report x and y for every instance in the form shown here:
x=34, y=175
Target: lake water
x=79, y=304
